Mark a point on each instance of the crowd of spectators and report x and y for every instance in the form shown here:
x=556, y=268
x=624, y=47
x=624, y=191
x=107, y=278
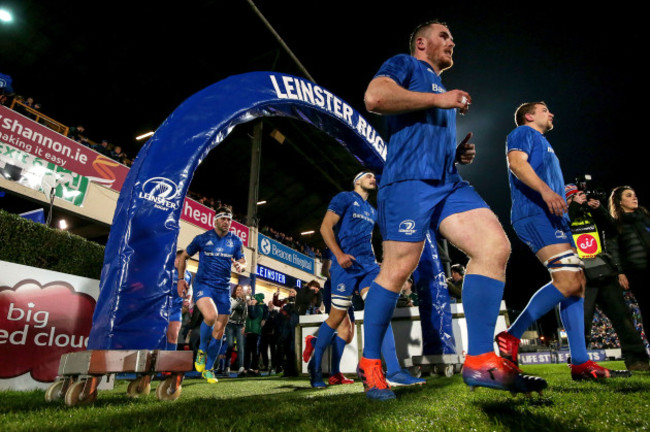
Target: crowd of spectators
x=603, y=335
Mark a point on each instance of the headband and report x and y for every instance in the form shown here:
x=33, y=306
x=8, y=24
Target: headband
x=360, y=176
x=223, y=214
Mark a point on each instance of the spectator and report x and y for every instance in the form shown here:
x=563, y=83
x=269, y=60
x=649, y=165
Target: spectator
x=252, y=331
x=633, y=245
x=310, y=299
x=407, y=297
x=117, y=154
x=235, y=328
x=76, y=133
x=455, y=281
x=102, y=148
x=287, y=321
x=268, y=339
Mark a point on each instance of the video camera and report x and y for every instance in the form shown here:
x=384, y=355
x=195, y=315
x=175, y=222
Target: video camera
x=597, y=193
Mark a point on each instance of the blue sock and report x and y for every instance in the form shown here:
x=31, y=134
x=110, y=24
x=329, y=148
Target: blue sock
x=539, y=304
x=389, y=352
x=338, y=345
x=572, y=313
x=325, y=335
x=379, y=308
x=206, y=336
x=214, y=348
x=481, y=302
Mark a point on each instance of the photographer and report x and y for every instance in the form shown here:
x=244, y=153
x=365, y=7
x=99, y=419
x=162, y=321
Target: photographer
x=590, y=226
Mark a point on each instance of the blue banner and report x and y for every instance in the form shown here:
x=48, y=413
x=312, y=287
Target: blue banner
x=284, y=254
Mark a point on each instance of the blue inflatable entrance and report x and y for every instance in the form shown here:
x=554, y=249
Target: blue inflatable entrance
x=131, y=311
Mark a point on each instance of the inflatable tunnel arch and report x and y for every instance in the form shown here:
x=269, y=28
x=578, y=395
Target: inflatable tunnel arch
x=131, y=310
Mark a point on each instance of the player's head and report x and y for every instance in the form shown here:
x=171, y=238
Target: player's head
x=534, y=114
x=432, y=41
x=365, y=180
x=223, y=219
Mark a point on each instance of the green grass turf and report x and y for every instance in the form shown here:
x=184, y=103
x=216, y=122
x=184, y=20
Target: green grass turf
x=287, y=404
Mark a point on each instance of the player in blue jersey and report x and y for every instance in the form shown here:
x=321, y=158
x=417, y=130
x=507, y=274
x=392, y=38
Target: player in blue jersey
x=421, y=188
x=347, y=230
x=219, y=250
x=176, y=312
x=539, y=217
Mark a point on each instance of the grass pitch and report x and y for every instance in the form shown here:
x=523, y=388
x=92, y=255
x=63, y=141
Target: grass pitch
x=289, y=404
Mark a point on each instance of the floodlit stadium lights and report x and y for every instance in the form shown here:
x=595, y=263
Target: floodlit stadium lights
x=261, y=202
x=5, y=16
x=307, y=232
x=143, y=136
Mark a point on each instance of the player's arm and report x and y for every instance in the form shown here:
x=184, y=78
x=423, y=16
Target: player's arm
x=520, y=167
x=385, y=96
x=183, y=286
x=327, y=231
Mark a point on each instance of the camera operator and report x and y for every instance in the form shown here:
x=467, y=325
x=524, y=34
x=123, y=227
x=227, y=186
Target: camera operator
x=590, y=225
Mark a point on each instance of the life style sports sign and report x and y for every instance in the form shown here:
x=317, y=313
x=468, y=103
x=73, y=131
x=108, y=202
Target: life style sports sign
x=43, y=315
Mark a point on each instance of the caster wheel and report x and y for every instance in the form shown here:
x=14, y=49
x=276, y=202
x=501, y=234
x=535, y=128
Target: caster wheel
x=136, y=389
x=449, y=371
x=53, y=392
x=164, y=388
x=74, y=395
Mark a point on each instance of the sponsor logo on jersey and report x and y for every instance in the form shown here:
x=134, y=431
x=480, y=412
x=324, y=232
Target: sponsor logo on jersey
x=560, y=234
x=209, y=243
x=407, y=227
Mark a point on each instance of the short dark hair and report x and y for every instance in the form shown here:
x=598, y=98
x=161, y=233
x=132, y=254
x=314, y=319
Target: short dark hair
x=419, y=30
x=224, y=208
x=312, y=283
x=523, y=109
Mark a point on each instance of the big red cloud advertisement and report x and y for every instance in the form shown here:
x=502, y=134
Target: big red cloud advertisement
x=43, y=315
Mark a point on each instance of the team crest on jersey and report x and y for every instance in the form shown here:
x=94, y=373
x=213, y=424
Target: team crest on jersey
x=229, y=243
x=340, y=287
x=407, y=227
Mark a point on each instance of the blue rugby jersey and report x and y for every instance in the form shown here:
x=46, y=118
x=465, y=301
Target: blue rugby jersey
x=421, y=144
x=215, y=258
x=541, y=157
x=354, y=229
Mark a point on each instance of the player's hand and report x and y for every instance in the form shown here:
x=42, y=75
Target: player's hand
x=238, y=266
x=345, y=260
x=466, y=151
x=623, y=282
x=454, y=99
x=182, y=288
x=556, y=204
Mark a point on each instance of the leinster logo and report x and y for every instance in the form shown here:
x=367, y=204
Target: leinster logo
x=265, y=246
x=407, y=227
x=162, y=192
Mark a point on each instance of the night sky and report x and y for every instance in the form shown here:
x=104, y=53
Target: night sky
x=121, y=68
